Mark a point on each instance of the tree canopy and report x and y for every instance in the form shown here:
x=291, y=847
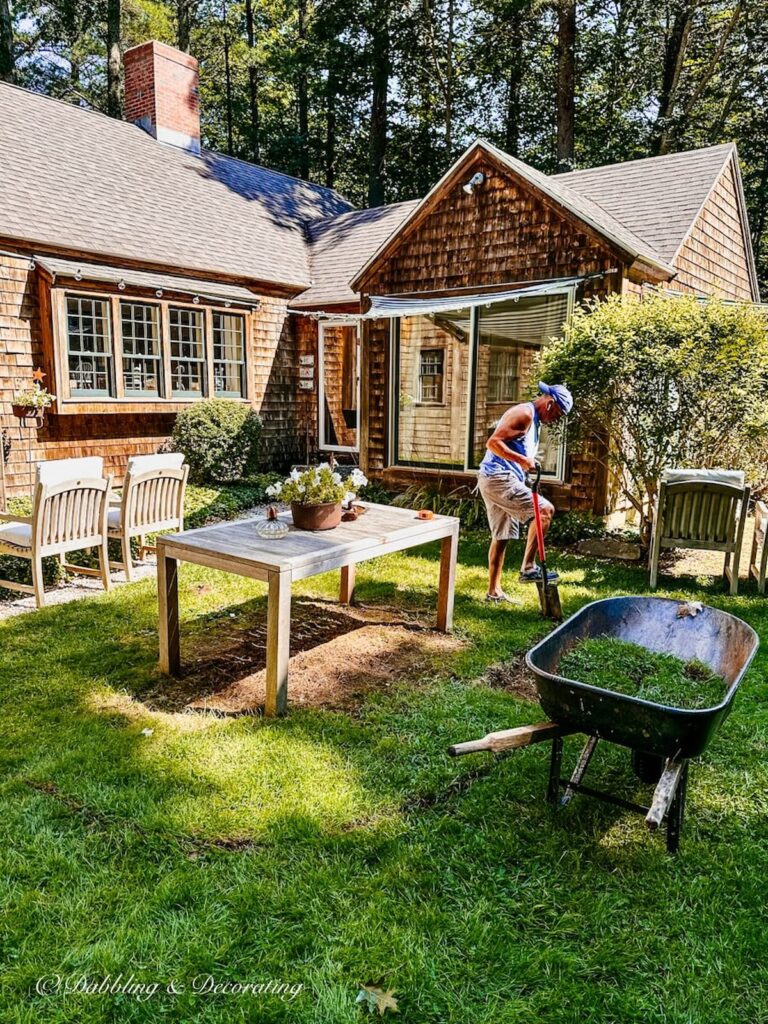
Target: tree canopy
x=377, y=97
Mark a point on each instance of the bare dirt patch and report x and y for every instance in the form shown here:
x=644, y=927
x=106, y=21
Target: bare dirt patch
x=514, y=676
x=338, y=655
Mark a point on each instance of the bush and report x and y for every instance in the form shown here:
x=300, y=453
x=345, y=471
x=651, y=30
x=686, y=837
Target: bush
x=671, y=382
x=461, y=502
x=219, y=438
x=571, y=527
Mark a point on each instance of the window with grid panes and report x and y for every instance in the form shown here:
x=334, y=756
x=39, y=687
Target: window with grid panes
x=142, y=358
x=503, y=375
x=89, y=347
x=228, y=354
x=431, y=361
x=187, y=337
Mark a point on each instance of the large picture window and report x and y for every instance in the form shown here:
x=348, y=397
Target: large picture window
x=455, y=373
x=89, y=347
x=133, y=349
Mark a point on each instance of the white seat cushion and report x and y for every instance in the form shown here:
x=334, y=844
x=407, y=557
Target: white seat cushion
x=734, y=477
x=165, y=460
x=60, y=471
x=18, y=535
x=113, y=518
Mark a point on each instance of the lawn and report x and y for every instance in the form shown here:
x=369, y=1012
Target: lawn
x=332, y=849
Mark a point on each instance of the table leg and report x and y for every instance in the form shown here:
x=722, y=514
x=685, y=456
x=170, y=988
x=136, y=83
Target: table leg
x=449, y=548
x=278, y=642
x=168, y=608
x=347, y=591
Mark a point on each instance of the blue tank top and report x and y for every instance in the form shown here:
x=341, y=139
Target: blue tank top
x=528, y=445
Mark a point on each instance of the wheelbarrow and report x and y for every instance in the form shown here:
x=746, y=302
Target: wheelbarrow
x=662, y=739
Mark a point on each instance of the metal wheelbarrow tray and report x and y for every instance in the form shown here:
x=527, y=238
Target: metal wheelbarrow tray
x=662, y=738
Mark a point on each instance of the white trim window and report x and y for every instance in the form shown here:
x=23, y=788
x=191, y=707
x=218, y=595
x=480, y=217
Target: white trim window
x=228, y=354
x=187, y=336
x=142, y=355
x=431, y=376
x=89, y=347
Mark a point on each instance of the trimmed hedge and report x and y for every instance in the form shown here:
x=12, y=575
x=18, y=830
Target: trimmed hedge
x=220, y=439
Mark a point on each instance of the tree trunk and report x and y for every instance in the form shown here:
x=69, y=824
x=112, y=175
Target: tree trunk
x=114, y=58
x=7, y=68
x=566, y=83
x=514, y=86
x=185, y=10
x=227, y=79
x=302, y=94
x=674, y=56
x=253, y=83
x=377, y=147
x=330, y=129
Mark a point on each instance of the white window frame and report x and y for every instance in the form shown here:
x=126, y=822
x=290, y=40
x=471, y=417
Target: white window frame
x=322, y=325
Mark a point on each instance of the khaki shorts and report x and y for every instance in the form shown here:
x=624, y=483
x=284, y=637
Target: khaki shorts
x=508, y=503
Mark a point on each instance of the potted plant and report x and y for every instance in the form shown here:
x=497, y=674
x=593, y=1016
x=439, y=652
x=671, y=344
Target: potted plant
x=316, y=495
x=29, y=404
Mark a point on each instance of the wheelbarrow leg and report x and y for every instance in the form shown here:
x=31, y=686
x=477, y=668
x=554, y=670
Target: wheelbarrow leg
x=556, y=760
x=578, y=773
x=676, y=812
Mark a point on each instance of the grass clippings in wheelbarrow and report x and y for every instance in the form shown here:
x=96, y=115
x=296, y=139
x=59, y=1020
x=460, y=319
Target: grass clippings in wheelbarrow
x=628, y=668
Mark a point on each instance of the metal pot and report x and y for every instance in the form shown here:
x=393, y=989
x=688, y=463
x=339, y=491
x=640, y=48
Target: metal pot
x=316, y=517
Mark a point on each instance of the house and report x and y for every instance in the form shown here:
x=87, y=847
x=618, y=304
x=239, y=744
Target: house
x=142, y=273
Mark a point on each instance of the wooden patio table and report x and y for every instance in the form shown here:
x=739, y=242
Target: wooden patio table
x=236, y=547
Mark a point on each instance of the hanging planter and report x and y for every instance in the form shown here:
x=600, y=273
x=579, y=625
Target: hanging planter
x=316, y=495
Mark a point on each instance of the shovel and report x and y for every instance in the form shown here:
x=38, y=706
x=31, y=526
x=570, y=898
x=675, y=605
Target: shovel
x=549, y=596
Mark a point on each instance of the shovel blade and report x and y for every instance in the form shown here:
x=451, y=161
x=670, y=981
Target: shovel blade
x=549, y=599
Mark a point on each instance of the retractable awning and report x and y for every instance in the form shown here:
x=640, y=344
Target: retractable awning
x=98, y=272
x=392, y=306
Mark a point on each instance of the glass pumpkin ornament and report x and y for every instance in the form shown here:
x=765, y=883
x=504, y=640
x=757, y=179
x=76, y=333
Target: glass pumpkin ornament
x=272, y=528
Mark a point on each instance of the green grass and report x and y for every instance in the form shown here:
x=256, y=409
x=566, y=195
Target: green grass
x=628, y=668
x=328, y=849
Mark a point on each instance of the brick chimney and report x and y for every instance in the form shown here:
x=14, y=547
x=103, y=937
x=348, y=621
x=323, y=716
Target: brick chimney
x=161, y=94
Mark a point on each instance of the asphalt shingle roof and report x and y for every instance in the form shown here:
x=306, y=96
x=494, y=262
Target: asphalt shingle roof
x=658, y=198
x=76, y=179
x=339, y=246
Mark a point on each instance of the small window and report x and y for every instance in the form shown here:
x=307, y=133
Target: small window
x=187, y=352
x=89, y=347
x=431, y=376
x=503, y=374
x=142, y=360
x=228, y=355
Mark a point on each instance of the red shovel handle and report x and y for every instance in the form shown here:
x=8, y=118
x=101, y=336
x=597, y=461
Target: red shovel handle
x=537, y=516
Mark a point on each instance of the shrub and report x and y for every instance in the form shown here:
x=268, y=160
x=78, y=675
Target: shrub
x=461, y=502
x=671, y=382
x=571, y=527
x=219, y=439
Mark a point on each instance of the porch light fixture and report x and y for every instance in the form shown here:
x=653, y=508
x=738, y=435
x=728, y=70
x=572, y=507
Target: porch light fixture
x=474, y=182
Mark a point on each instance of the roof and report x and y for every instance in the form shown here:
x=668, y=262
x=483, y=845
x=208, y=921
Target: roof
x=75, y=179
x=339, y=246
x=658, y=197
x=585, y=209
x=144, y=279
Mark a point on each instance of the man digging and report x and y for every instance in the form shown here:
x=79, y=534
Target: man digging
x=512, y=450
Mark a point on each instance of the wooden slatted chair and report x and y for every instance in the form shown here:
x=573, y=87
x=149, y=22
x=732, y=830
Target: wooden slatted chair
x=152, y=502
x=69, y=513
x=758, y=561
x=702, y=510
